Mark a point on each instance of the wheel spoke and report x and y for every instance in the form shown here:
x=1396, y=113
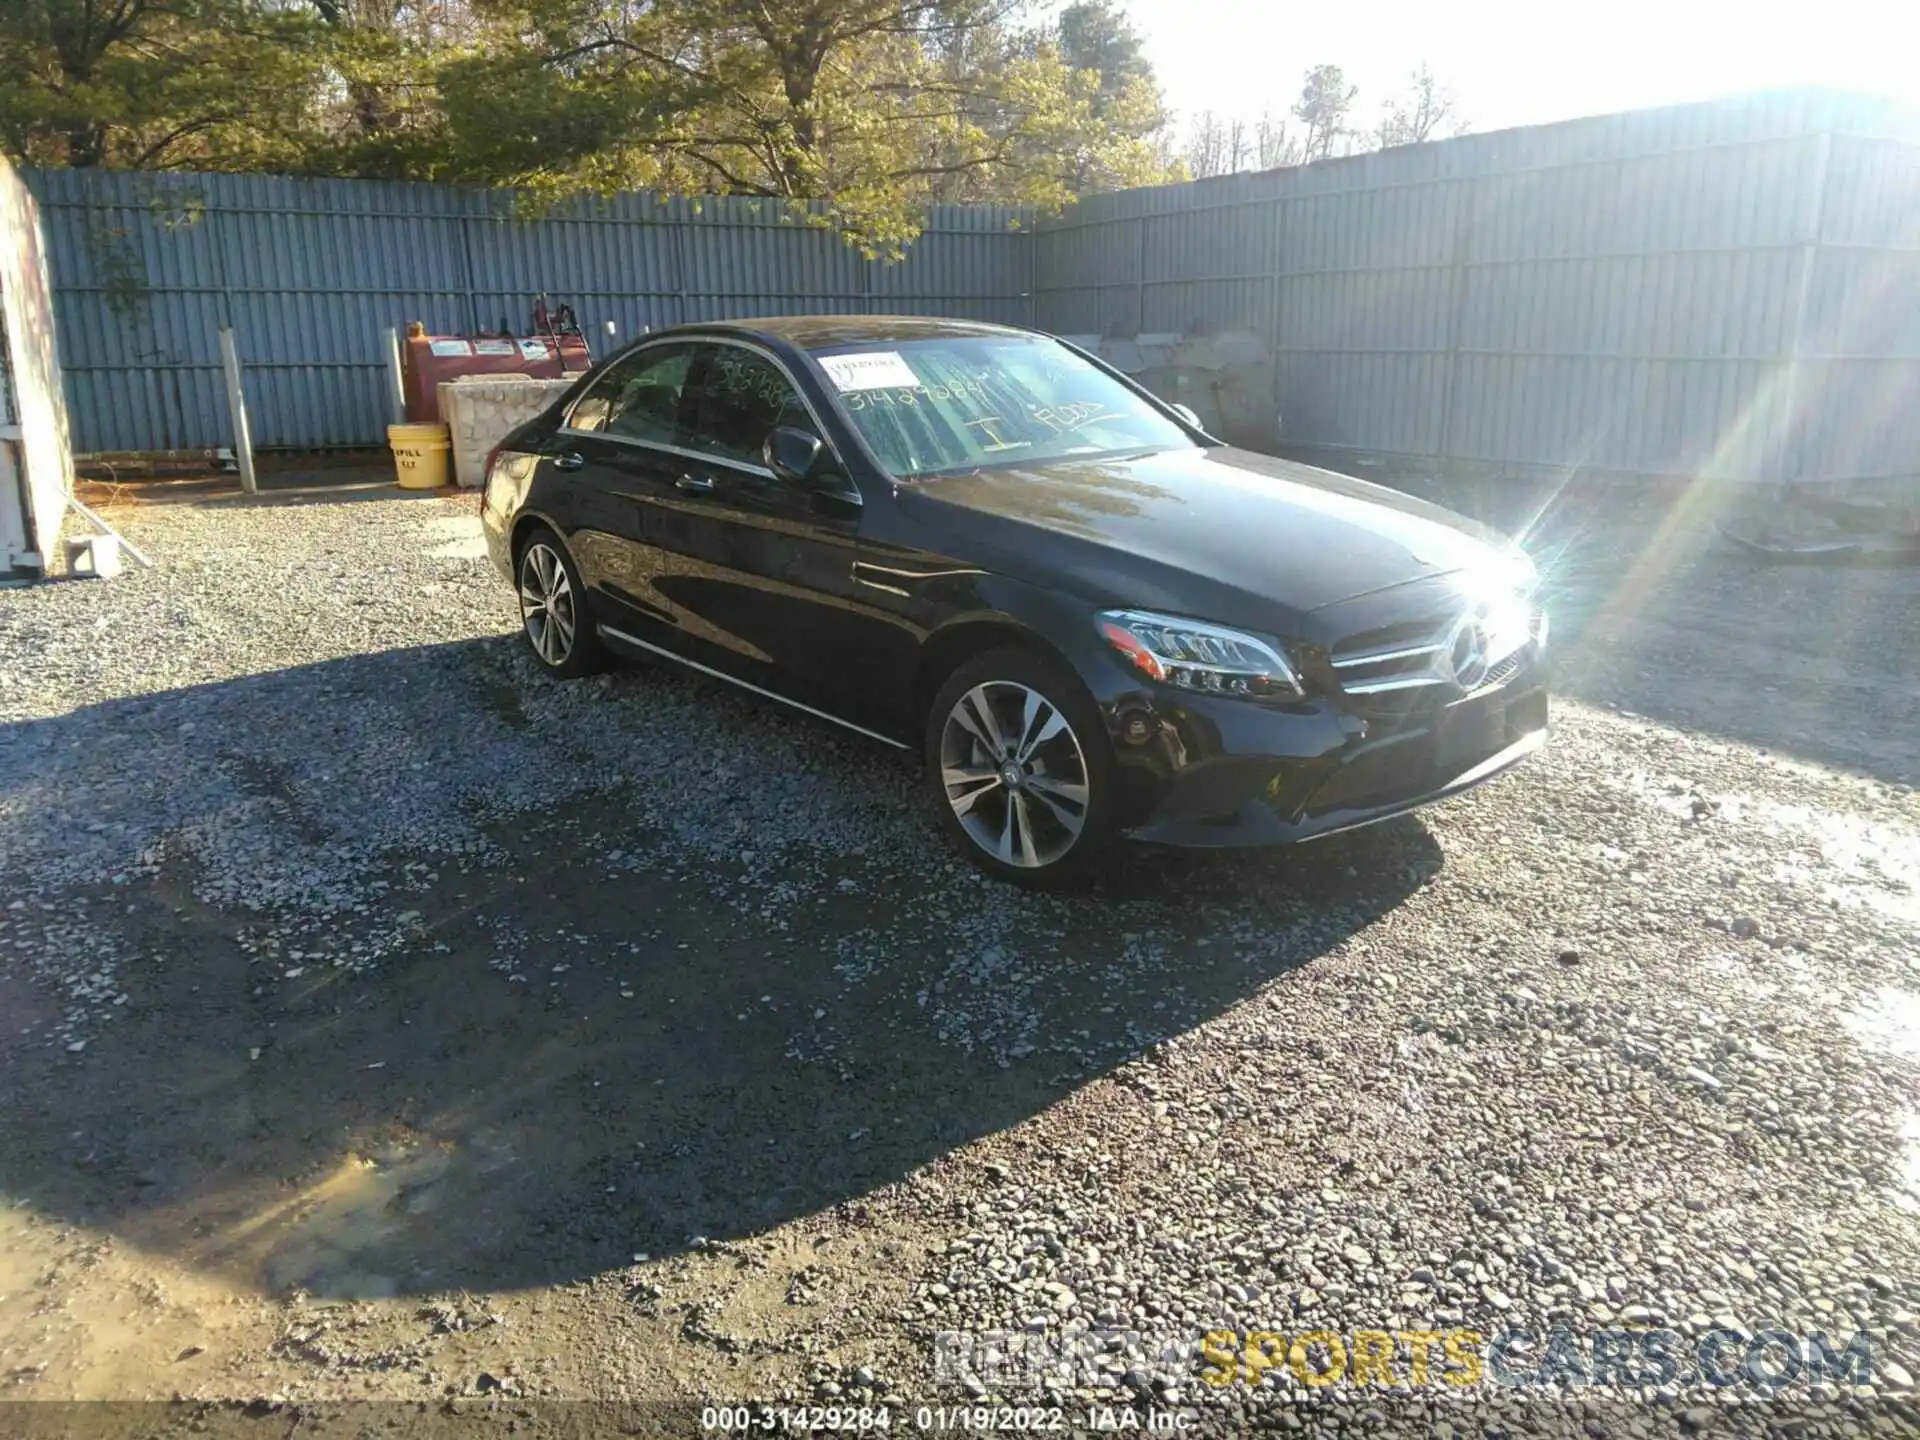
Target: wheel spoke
x=1024, y=824
x=1032, y=734
x=1052, y=785
x=563, y=622
x=977, y=720
x=1005, y=849
x=966, y=784
x=532, y=599
x=1070, y=820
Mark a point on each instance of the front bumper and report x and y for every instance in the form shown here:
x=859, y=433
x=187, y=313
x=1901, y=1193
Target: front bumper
x=1199, y=771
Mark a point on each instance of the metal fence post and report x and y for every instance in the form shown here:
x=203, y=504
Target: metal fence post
x=677, y=243
x=1140, y=263
x=1791, y=467
x=1030, y=227
x=237, y=410
x=466, y=265
x=396, y=379
x=1456, y=303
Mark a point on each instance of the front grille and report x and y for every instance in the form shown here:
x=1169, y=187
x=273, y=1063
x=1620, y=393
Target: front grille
x=1405, y=656
x=1503, y=672
x=1405, y=661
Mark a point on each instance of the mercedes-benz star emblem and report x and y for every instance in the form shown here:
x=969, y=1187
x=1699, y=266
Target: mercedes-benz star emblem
x=1467, y=655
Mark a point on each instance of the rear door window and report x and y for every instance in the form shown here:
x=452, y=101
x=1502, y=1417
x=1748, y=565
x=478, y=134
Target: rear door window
x=639, y=398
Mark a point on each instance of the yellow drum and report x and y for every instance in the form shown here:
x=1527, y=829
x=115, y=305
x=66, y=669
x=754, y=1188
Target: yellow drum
x=420, y=455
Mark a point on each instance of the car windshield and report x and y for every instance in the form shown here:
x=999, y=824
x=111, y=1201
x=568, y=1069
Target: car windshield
x=929, y=407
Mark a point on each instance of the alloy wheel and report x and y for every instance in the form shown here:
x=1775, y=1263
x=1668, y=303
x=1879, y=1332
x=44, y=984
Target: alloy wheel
x=1014, y=774
x=546, y=603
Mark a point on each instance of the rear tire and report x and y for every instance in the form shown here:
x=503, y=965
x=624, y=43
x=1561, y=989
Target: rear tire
x=554, y=616
x=1020, y=768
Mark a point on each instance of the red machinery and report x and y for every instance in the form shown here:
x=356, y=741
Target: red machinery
x=554, y=350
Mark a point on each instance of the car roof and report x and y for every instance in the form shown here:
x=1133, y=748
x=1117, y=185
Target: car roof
x=823, y=332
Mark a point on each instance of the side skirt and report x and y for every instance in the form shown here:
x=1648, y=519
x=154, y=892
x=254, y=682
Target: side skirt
x=621, y=638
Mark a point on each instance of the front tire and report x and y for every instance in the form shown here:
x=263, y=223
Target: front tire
x=1020, y=768
x=553, y=609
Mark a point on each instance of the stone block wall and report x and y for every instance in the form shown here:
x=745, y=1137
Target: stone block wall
x=479, y=411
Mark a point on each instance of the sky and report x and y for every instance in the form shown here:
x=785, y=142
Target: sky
x=1525, y=63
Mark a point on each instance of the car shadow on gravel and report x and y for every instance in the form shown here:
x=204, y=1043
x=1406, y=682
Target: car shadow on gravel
x=588, y=1039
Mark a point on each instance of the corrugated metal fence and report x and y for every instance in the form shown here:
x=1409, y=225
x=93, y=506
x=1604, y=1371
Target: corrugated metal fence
x=1728, y=290
x=310, y=273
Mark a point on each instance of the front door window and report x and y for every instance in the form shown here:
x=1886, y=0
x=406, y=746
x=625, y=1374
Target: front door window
x=741, y=398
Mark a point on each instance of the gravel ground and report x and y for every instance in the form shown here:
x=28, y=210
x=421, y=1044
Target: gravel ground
x=378, y=1020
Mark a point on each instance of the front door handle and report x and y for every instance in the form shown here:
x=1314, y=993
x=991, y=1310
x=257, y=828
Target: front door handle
x=694, y=484
x=568, y=460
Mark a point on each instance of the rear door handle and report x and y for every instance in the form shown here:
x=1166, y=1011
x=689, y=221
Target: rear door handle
x=694, y=484
x=568, y=460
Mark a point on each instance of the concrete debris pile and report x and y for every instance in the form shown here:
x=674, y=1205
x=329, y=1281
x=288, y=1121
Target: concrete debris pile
x=1814, y=528
x=1225, y=377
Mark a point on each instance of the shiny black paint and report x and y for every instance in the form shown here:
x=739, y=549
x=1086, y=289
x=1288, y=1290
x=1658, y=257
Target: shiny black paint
x=838, y=599
x=760, y=573
x=608, y=498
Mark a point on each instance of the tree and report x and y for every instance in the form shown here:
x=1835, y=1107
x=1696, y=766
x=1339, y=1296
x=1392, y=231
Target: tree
x=1325, y=101
x=1274, y=147
x=1095, y=35
x=378, y=111
x=1215, y=145
x=858, y=113
x=1422, y=113
x=1220, y=145
x=874, y=107
x=153, y=82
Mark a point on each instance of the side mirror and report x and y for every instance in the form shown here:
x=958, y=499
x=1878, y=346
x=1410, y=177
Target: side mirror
x=796, y=456
x=1185, y=412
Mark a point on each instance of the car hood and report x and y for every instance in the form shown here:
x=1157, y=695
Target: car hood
x=1222, y=532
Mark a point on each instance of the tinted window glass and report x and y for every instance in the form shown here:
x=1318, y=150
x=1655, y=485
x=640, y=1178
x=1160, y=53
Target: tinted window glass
x=739, y=399
x=926, y=406
x=638, y=398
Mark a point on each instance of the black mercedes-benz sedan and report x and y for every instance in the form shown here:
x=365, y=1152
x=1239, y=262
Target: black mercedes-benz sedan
x=983, y=546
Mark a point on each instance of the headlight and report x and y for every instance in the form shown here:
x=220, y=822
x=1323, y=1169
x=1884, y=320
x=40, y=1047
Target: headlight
x=1507, y=624
x=1518, y=571
x=1502, y=597
x=1192, y=655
